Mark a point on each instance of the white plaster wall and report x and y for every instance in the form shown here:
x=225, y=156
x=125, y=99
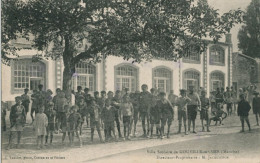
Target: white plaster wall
x=223, y=69
x=145, y=72
x=7, y=94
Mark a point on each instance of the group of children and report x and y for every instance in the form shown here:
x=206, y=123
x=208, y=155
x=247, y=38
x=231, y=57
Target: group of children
x=60, y=114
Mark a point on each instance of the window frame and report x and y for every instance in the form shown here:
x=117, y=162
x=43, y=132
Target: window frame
x=218, y=80
x=87, y=74
x=28, y=70
x=221, y=50
x=185, y=86
x=155, y=78
x=135, y=77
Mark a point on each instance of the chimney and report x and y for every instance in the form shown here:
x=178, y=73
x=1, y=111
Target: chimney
x=228, y=38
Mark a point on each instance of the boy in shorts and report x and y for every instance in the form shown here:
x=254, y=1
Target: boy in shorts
x=145, y=105
x=127, y=111
x=108, y=118
x=94, y=112
x=51, y=114
x=154, y=118
x=74, y=122
x=204, y=113
x=26, y=100
x=243, y=109
x=167, y=112
x=182, y=102
x=134, y=99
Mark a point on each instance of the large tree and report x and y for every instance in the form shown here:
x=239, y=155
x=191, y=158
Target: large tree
x=138, y=29
x=249, y=34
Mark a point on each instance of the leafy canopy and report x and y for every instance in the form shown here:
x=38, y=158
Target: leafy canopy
x=249, y=34
x=138, y=29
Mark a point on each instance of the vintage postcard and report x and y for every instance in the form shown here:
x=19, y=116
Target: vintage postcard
x=130, y=81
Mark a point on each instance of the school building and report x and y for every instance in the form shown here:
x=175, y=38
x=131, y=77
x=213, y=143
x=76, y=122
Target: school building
x=211, y=69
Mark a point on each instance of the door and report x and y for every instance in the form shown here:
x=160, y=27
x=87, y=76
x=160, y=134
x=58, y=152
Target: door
x=192, y=83
x=216, y=84
x=34, y=82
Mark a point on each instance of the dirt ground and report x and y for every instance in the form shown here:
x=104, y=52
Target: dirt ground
x=224, y=137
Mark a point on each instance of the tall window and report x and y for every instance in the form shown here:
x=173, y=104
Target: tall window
x=162, y=78
x=28, y=74
x=84, y=76
x=126, y=77
x=216, y=80
x=217, y=55
x=191, y=79
x=193, y=55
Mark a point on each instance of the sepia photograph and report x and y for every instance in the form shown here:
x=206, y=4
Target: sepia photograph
x=130, y=81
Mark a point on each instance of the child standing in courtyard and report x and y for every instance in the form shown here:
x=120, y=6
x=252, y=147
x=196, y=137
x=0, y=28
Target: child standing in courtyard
x=108, y=117
x=242, y=111
x=39, y=126
x=204, y=113
x=74, y=122
x=256, y=106
x=167, y=112
x=128, y=112
x=182, y=102
x=51, y=114
x=64, y=123
x=17, y=121
x=26, y=100
x=95, y=115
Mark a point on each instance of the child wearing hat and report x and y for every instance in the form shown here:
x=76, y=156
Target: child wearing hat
x=167, y=113
x=242, y=111
x=51, y=114
x=256, y=106
x=26, y=100
x=182, y=102
x=17, y=121
x=108, y=117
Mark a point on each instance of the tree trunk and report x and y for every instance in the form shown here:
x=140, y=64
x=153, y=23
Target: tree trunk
x=69, y=66
x=67, y=78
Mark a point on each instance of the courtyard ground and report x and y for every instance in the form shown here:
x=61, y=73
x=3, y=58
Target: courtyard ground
x=225, y=137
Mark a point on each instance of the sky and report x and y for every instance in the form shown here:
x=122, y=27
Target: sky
x=225, y=6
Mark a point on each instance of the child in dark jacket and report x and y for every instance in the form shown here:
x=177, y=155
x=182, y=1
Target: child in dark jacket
x=256, y=107
x=242, y=111
x=108, y=117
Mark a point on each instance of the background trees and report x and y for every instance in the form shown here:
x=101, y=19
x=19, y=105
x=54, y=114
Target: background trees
x=138, y=29
x=249, y=34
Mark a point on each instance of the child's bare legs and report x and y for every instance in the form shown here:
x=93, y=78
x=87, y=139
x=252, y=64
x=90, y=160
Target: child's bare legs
x=242, y=123
x=63, y=137
x=71, y=135
x=248, y=124
x=99, y=134
x=169, y=127
x=19, y=135
x=202, y=124
x=185, y=126
x=78, y=136
x=46, y=136
x=37, y=141
x=42, y=136
x=92, y=134
x=51, y=136
x=256, y=117
x=193, y=126
x=135, y=122
x=151, y=130
x=159, y=130
x=10, y=140
x=189, y=124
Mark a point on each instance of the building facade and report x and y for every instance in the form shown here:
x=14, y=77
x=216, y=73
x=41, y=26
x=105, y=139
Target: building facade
x=245, y=71
x=211, y=69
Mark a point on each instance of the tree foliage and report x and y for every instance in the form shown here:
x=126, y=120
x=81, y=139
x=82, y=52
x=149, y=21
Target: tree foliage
x=249, y=34
x=138, y=29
